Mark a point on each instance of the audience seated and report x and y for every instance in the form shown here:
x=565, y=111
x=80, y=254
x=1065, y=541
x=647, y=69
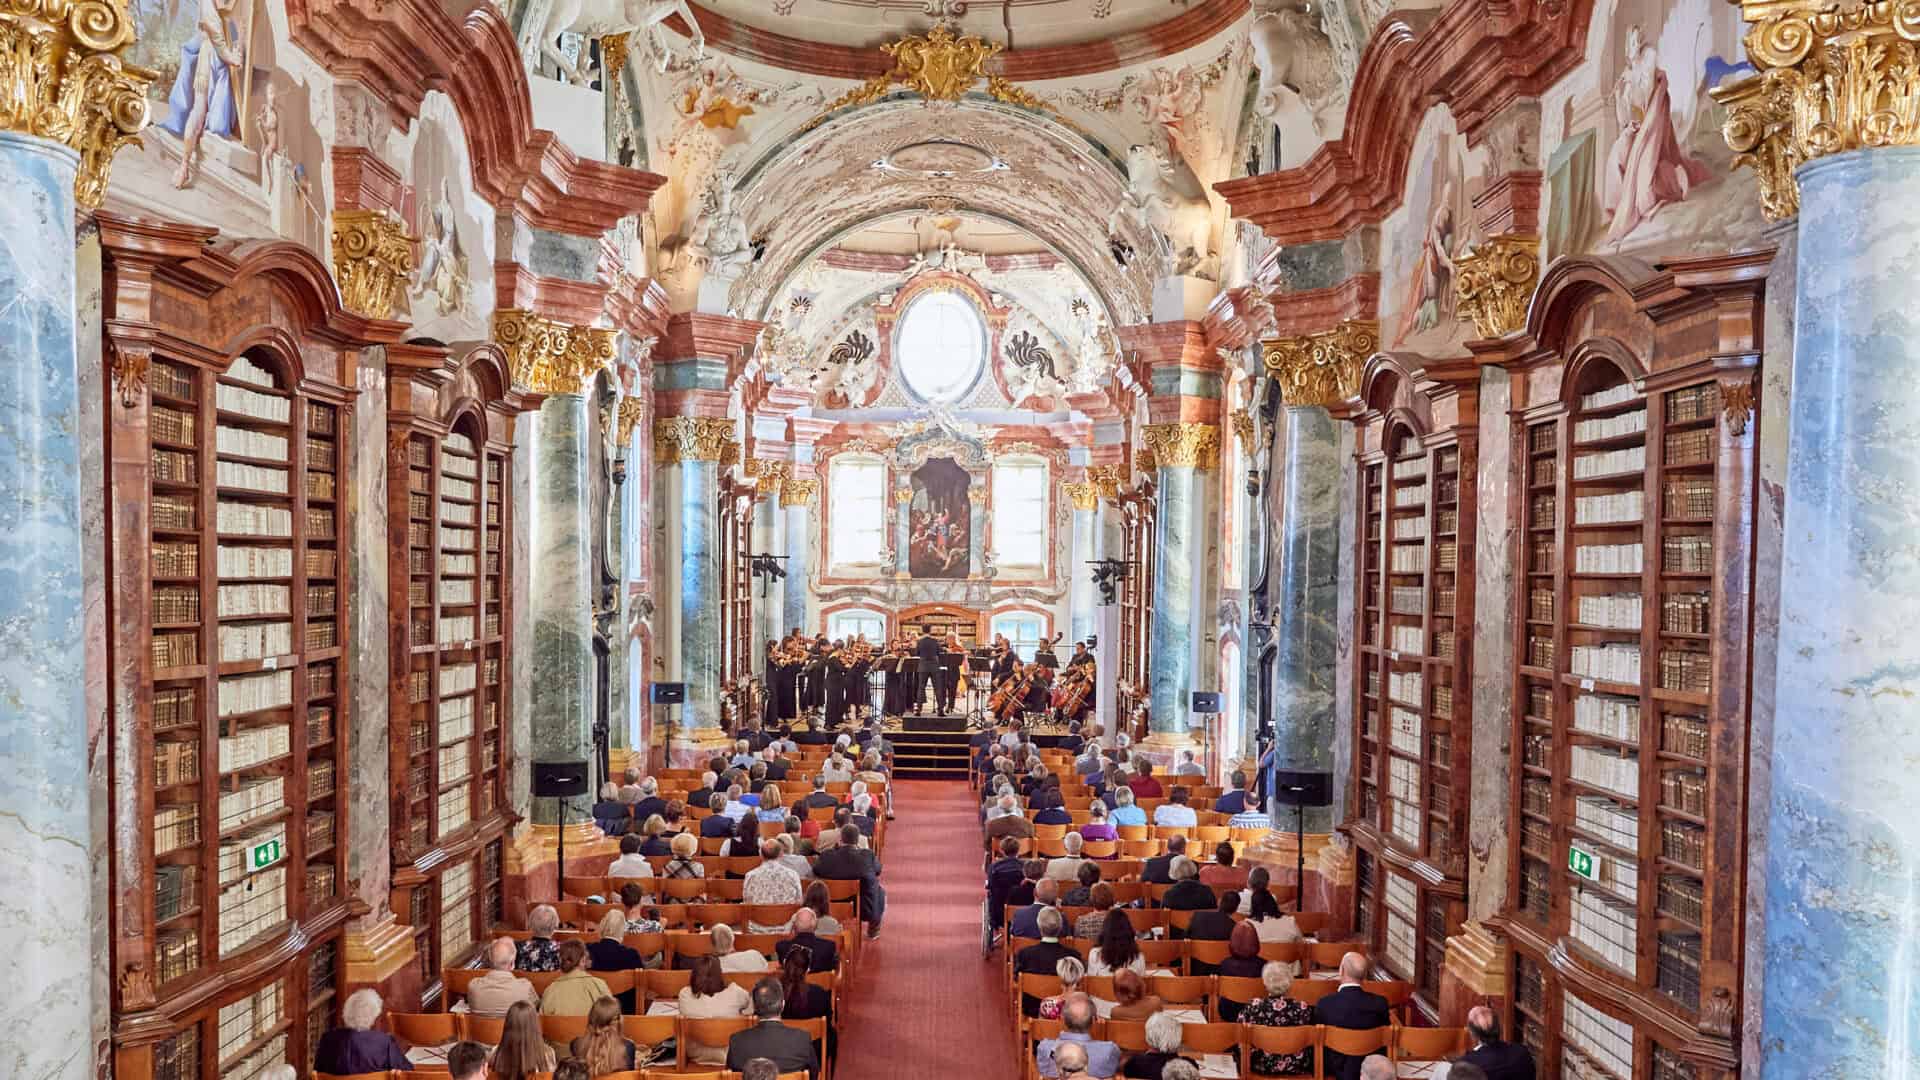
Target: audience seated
x=1221, y=873
x=653, y=836
x=631, y=862
x=1003, y=875
x=1376, y=1067
x=1052, y=811
x=575, y=991
x=1118, y=950
x=1070, y=1061
x=708, y=995
x=819, y=901
x=1070, y=970
x=1465, y=1070
x=790, y=855
x=1076, y=1022
x=1353, y=1007
x=491, y=994
x=805, y=1001
x=1186, y=893
x=354, y=1046
x=1242, y=962
x=1175, y=813
x=522, y=1050
x=718, y=825
x=819, y=798
x=1046, y=894
x=1010, y=822
x=1100, y=898
x=1066, y=867
x=610, y=814
x=1082, y=894
x=539, y=952
x=822, y=953
x=1132, y=999
x=1158, y=869
x=466, y=1060
x=1142, y=783
x=1276, y=1009
x=790, y=1049
x=1250, y=817
x=1189, y=766
x=650, y=802
x=1499, y=1060
x=1163, y=1035
x=849, y=862
x=1214, y=925
x=772, y=882
x=1097, y=826
x=1232, y=802
x=1042, y=957
x=1123, y=810
x=603, y=1049
x=731, y=959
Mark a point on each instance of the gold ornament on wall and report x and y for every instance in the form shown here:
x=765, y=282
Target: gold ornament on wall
x=1106, y=480
x=691, y=438
x=799, y=491
x=1143, y=460
x=1494, y=282
x=1324, y=368
x=939, y=66
x=1183, y=446
x=1832, y=79
x=902, y=496
x=1242, y=421
x=372, y=256
x=61, y=78
x=769, y=476
x=631, y=410
x=546, y=356
x=1085, y=496
x=613, y=55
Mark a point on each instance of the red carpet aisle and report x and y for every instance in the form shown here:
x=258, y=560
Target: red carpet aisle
x=925, y=1002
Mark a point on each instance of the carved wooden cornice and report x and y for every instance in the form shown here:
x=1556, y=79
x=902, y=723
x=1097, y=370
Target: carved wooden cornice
x=1183, y=445
x=1495, y=281
x=1474, y=59
x=372, y=256
x=692, y=438
x=549, y=357
x=61, y=78
x=1321, y=369
x=1832, y=78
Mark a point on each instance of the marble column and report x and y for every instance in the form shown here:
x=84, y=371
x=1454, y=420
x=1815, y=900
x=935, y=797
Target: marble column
x=796, y=507
x=1305, y=597
x=1085, y=501
x=687, y=451
x=562, y=593
x=47, y=910
x=1842, y=841
x=1186, y=455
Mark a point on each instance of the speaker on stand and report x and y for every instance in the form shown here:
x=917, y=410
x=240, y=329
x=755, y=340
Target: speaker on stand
x=1201, y=705
x=559, y=781
x=1300, y=789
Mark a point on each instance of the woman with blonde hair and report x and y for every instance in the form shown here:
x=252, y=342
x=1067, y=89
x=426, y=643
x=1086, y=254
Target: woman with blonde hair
x=603, y=1048
x=522, y=1050
x=682, y=865
x=1071, y=970
x=771, y=808
x=656, y=842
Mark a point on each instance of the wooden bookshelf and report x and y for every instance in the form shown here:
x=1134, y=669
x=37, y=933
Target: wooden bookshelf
x=1634, y=464
x=736, y=582
x=450, y=511
x=1417, y=452
x=228, y=433
x=1137, y=516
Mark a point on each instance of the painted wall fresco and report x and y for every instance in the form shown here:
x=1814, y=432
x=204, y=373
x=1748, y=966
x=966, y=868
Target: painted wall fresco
x=451, y=291
x=1423, y=238
x=938, y=543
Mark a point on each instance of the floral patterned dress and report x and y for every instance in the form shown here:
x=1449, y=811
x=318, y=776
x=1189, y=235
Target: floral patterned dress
x=1279, y=1012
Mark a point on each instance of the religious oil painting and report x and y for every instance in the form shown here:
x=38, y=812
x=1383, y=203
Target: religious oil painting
x=939, y=514
x=1424, y=238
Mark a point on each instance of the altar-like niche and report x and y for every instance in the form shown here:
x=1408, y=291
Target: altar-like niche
x=938, y=520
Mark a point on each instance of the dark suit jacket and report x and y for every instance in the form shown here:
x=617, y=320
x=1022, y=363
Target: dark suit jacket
x=824, y=955
x=1210, y=926
x=1053, y=815
x=717, y=825
x=1041, y=959
x=788, y=1048
x=1026, y=922
x=777, y=769
x=928, y=647
x=697, y=798
x=1502, y=1060
x=1147, y=1064
x=1189, y=895
x=1158, y=870
x=344, y=1051
x=646, y=808
x=813, y=738
x=1356, y=1009
x=1233, y=802
x=820, y=800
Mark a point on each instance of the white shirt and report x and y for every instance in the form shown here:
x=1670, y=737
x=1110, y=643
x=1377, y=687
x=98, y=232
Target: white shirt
x=743, y=960
x=1064, y=868
x=634, y=865
x=1174, y=814
x=1098, y=966
x=1190, y=768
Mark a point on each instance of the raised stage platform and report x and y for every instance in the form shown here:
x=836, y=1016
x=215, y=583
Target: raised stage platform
x=937, y=748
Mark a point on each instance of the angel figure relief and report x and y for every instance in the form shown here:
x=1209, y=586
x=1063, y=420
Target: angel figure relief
x=1648, y=166
x=1029, y=370
x=442, y=273
x=603, y=18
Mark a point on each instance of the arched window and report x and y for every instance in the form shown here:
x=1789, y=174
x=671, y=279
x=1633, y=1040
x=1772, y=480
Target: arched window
x=1023, y=629
x=1233, y=724
x=857, y=511
x=1020, y=515
x=853, y=622
x=941, y=347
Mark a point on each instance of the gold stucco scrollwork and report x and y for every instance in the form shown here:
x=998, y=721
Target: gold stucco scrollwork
x=1106, y=480
x=631, y=410
x=939, y=66
x=61, y=78
x=546, y=356
x=1085, y=496
x=691, y=438
x=1832, y=78
x=769, y=476
x=799, y=491
x=372, y=256
x=1189, y=446
x=1324, y=368
x=1494, y=282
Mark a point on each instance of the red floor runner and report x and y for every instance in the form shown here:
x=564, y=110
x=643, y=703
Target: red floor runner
x=925, y=1003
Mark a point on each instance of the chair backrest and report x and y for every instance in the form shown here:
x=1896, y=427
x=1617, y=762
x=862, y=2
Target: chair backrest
x=455, y=980
x=1210, y=834
x=1100, y=986
x=582, y=886
x=1278, y=1040
x=1134, y=832
x=1040, y=986
x=1049, y=832
x=1125, y=892
x=770, y=914
x=1100, y=849
x=563, y=1029
x=1396, y=992
x=1182, y=989
x=711, y=914
x=540, y=979
x=1139, y=849
x=1144, y=919
x=1327, y=954
x=1286, y=952
x=711, y=1032
x=1205, y=952
x=645, y=944
x=664, y=983
x=683, y=889
x=1164, y=954
x=1238, y=989
x=843, y=889
x=1051, y=847
x=423, y=1029
x=1428, y=1044
x=647, y=1030
x=1355, y=1042
x=1210, y=1038
x=1180, y=920
x=482, y=1029
x=711, y=845
x=1309, y=991
x=1311, y=922
x=688, y=943
x=1128, y=1035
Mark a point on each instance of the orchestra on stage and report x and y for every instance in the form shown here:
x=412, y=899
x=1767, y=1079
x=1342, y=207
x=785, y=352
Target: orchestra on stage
x=921, y=672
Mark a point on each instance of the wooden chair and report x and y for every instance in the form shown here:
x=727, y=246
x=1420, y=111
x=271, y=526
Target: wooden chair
x=1134, y=832
x=816, y=1029
x=1165, y=954
x=1211, y=1038
x=423, y=1029
x=1203, y=957
x=1100, y=849
x=645, y=944
x=1140, y=849
x=1238, y=989
x=582, y=887
x=482, y=1029
x=1427, y=1045
x=1144, y=919
x=1180, y=920
x=1326, y=955
x=1352, y=1042
x=1210, y=834
x=1051, y=847
x=683, y=890
x=1126, y=892
x=1286, y=952
x=664, y=984
x=648, y=885
x=1049, y=832
x=1029, y=983
x=1280, y=1040
x=707, y=915
x=712, y=845
x=648, y=1030
x=1195, y=990
x=770, y=914
x=453, y=982
x=1310, y=922
x=562, y=1029
x=708, y=1032
x=540, y=979
x=1310, y=991
x=1129, y=1035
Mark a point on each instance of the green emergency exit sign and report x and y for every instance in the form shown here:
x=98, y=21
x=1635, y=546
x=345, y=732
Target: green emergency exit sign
x=1583, y=863
x=264, y=854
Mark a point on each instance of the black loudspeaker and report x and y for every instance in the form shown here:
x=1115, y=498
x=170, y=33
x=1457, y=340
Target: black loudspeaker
x=559, y=779
x=1204, y=702
x=1293, y=787
x=667, y=693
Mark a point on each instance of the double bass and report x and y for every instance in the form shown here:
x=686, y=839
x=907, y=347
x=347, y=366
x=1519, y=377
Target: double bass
x=1076, y=688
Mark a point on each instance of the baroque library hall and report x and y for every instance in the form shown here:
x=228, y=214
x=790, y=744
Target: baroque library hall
x=1016, y=539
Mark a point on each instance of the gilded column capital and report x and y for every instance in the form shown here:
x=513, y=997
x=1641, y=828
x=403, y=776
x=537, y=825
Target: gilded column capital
x=61, y=78
x=1494, y=282
x=1085, y=496
x=902, y=496
x=631, y=410
x=1324, y=368
x=799, y=491
x=1144, y=460
x=690, y=438
x=1106, y=480
x=546, y=356
x=977, y=495
x=1190, y=446
x=769, y=476
x=372, y=257
x=1242, y=421
x=1832, y=78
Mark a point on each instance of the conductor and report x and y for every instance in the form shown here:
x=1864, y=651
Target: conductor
x=927, y=651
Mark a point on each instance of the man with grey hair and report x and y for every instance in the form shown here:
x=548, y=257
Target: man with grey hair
x=1067, y=867
x=771, y=882
x=760, y=1069
x=790, y=1049
x=1010, y=822
x=1076, y=1022
x=1180, y=1069
x=492, y=994
x=630, y=788
x=650, y=802
x=736, y=806
x=1355, y=1008
x=355, y=1047
x=1376, y=1067
x=539, y=952
x=836, y=771
x=1163, y=1034
x=1042, y=957
x=1069, y=1061
x=820, y=798
x=1187, y=893
x=717, y=825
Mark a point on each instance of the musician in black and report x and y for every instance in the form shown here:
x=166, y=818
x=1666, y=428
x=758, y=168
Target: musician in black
x=900, y=677
x=839, y=680
x=1081, y=655
x=950, y=659
x=1003, y=659
x=927, y=651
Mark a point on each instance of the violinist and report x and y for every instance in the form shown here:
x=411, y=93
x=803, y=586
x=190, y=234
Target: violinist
x=899, y=673
x=1082, y=656
x=1003, y=660
x=859, y=686
x=839, y=669
x=950, y=660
